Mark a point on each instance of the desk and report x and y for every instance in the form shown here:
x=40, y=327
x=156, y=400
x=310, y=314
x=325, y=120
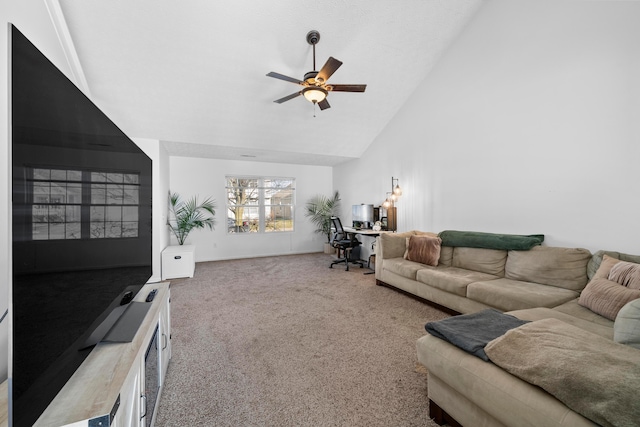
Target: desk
x=365, y=231
x=367, y=251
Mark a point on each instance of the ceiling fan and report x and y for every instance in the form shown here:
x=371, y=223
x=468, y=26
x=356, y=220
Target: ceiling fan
x=315, y=88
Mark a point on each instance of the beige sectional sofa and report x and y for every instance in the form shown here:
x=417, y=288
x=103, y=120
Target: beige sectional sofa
x=467, y=279
x=539, y=283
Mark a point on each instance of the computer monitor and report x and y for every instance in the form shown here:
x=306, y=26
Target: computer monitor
x=362, y=216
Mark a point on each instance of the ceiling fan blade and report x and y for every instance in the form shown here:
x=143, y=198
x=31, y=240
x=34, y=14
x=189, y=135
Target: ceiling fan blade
x=283, y=77
x=348, y=88
x=328, y=69
x=324, y=104
x=286, y=98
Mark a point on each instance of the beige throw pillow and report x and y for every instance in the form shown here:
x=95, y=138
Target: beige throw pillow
x=626, y=273
x=605, y=267
x=606, y=298
x=423, y=249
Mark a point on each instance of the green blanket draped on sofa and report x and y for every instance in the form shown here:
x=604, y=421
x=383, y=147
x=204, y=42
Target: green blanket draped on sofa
x=476, y=239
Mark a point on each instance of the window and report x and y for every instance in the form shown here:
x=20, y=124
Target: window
x=114, y=205
x=260, y=205
x=73, y=204
x=57, y=198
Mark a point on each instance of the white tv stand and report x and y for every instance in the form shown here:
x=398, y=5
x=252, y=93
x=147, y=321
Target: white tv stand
x=109, y=388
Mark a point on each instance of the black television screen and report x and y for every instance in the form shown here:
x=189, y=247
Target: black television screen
x=81, y=226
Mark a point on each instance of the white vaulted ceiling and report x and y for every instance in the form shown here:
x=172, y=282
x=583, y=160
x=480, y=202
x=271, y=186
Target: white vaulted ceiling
x=192, y=73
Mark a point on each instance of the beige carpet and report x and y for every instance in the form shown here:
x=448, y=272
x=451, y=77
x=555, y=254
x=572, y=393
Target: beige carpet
x=286, y=341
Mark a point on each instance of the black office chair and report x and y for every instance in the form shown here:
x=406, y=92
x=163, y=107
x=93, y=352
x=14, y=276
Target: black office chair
x=345, y=243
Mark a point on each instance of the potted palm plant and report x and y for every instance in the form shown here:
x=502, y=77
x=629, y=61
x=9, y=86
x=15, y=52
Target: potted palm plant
x=184, y=216
x=320, y=209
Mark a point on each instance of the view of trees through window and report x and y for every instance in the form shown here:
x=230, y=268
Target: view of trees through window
x=73, y=204
x=260, y=204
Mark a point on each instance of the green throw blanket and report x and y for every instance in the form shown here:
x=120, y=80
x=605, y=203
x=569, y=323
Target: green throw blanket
x=592, y=375
x=476, y=239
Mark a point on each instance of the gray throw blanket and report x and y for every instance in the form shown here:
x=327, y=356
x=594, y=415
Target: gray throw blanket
x=471, y=332
x=592, y=375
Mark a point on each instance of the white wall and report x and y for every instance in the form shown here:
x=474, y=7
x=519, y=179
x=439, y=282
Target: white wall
x=206, y=178
x=31, y=17
x=529, y=124
x=160, y=175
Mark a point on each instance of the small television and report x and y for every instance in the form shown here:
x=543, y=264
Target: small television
x=81, y=224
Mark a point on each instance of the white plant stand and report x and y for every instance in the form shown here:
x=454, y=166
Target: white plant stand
x=178, y=261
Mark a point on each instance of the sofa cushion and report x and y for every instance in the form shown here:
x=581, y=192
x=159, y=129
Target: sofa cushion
x=446, y=256
x=539, y=313
x=598, y=257
x=626, y=328
x=574, y=309
x=626, y=273
x=490, y=261
x=403, y=267
x=423, y=249
x=508, y=294
x=606, y=298
x=451, y=279
x=554, y=266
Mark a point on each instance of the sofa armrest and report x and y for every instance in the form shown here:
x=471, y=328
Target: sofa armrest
x=392, y=245
x=489, y=389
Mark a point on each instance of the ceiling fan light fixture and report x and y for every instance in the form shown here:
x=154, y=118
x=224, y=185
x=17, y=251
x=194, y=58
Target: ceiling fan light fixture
x=315, y=87
x=314, y=94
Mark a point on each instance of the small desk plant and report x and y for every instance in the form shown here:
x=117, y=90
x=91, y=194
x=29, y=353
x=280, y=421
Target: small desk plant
x=319, y=209
x=185, y=216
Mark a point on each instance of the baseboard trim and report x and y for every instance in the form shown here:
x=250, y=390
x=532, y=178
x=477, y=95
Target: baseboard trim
x=233, y=258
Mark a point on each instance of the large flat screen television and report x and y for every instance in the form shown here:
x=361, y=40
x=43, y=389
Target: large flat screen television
x=81, y=226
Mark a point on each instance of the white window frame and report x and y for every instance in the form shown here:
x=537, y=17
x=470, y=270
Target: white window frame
x=259, y=227
x=56, y=196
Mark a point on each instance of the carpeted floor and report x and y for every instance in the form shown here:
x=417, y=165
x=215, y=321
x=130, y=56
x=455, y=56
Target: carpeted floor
x=286, y=341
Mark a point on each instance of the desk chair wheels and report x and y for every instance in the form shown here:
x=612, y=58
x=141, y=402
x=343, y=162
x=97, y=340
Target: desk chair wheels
x=346, y=259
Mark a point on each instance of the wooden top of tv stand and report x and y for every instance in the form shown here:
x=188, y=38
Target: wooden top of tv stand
x=4, y=403
x=93, y=389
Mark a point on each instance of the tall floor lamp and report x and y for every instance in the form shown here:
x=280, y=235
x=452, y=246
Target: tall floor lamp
x=389, y=205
